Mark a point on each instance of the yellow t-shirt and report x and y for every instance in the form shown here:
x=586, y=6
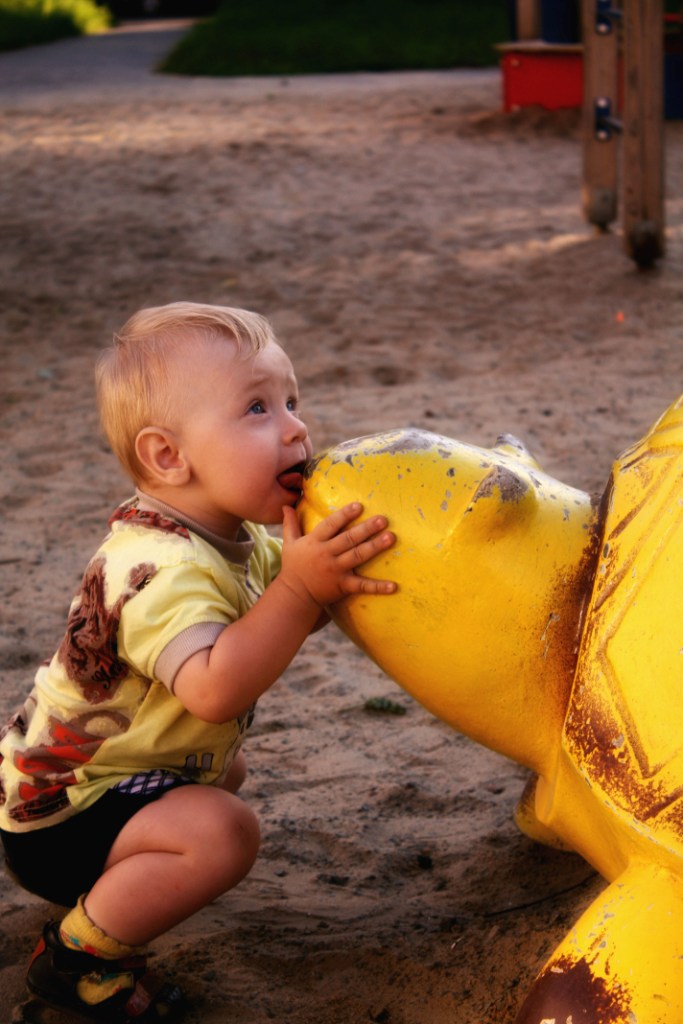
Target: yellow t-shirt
x=103, y=710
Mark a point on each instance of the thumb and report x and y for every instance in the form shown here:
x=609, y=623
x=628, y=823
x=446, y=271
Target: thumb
x=291, y=530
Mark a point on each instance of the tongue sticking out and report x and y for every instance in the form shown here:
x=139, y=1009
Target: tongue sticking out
x=292, y=479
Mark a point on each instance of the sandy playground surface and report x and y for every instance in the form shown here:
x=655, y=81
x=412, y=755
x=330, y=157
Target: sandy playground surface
x=425, y=262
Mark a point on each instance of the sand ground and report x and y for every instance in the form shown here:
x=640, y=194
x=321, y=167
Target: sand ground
x=425, y=262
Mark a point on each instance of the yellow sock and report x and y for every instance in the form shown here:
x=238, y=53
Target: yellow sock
x=77, y=931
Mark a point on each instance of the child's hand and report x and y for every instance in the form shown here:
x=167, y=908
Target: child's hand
x=218, y=683
x=319, y=566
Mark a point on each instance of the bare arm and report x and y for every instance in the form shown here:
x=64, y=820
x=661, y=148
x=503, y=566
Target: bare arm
x=223, y=681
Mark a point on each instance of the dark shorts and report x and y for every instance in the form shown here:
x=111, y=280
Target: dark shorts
x=61, y=862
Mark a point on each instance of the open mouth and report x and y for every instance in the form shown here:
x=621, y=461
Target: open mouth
x=292, y=479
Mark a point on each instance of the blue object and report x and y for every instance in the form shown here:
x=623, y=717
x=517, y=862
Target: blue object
x=560, y=21
x=673, y=86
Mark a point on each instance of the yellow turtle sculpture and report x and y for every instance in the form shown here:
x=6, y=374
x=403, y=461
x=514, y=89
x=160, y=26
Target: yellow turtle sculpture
x=546, y=626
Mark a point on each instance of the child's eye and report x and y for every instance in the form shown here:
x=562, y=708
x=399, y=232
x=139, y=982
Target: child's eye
x=258, y=408
x=292, y=404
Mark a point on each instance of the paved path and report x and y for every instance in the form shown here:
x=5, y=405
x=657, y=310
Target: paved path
x=122, y=59
x=120, y=64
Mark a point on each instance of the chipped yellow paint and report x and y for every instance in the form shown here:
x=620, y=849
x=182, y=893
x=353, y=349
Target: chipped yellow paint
x=470, y=522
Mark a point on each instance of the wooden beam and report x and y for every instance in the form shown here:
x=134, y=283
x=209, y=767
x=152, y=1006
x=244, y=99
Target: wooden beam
x=600, y=92
x=528, y=19
x=643, y=117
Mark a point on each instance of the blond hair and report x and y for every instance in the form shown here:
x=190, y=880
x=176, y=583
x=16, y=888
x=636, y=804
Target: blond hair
x=134, y=375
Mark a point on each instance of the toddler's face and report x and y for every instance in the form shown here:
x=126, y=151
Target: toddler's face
x=242, y=433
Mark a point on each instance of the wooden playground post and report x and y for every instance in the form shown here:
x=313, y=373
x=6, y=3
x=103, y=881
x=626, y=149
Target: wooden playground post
x=528, y=19
x=641, y=122
x=600, y=92
x=643, y=147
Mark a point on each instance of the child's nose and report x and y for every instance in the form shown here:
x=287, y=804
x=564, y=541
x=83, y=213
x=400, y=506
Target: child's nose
x=295, y=429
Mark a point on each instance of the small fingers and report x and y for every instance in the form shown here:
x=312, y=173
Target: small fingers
x=362, y=551
x=356, y=584
x=353, y=540
x=353, y=547
x=337, y=520
x=362, y=542
x=362, y=533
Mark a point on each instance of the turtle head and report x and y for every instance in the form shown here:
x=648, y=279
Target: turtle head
x=490, y=562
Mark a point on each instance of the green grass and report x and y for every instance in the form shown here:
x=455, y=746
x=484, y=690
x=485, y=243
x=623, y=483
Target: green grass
x=27, y=22
x=290, y=37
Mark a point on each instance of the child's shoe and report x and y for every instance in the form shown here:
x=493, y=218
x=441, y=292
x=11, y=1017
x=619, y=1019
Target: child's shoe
x=55, y=970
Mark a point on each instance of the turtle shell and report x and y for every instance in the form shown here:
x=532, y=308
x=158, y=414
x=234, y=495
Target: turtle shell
x=623, y=734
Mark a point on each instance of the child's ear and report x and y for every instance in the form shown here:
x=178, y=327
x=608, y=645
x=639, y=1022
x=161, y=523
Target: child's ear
x=159, y=452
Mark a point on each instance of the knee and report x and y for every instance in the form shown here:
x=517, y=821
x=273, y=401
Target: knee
x=246, y=829
x=231, y=837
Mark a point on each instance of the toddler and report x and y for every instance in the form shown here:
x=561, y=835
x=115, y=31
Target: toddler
x=118, y=776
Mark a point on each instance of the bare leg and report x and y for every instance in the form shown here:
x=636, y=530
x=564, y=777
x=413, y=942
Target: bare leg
x=171, y=859
x=237, y=773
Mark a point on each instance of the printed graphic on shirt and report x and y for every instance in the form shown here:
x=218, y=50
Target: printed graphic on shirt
x=89, y=649
x=129, y=513
x=51, y=764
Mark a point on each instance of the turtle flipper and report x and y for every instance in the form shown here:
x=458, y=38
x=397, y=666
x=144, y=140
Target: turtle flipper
x=529, y=823
x=621, y=962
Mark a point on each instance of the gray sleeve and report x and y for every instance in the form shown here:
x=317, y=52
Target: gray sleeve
x=183, y=646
